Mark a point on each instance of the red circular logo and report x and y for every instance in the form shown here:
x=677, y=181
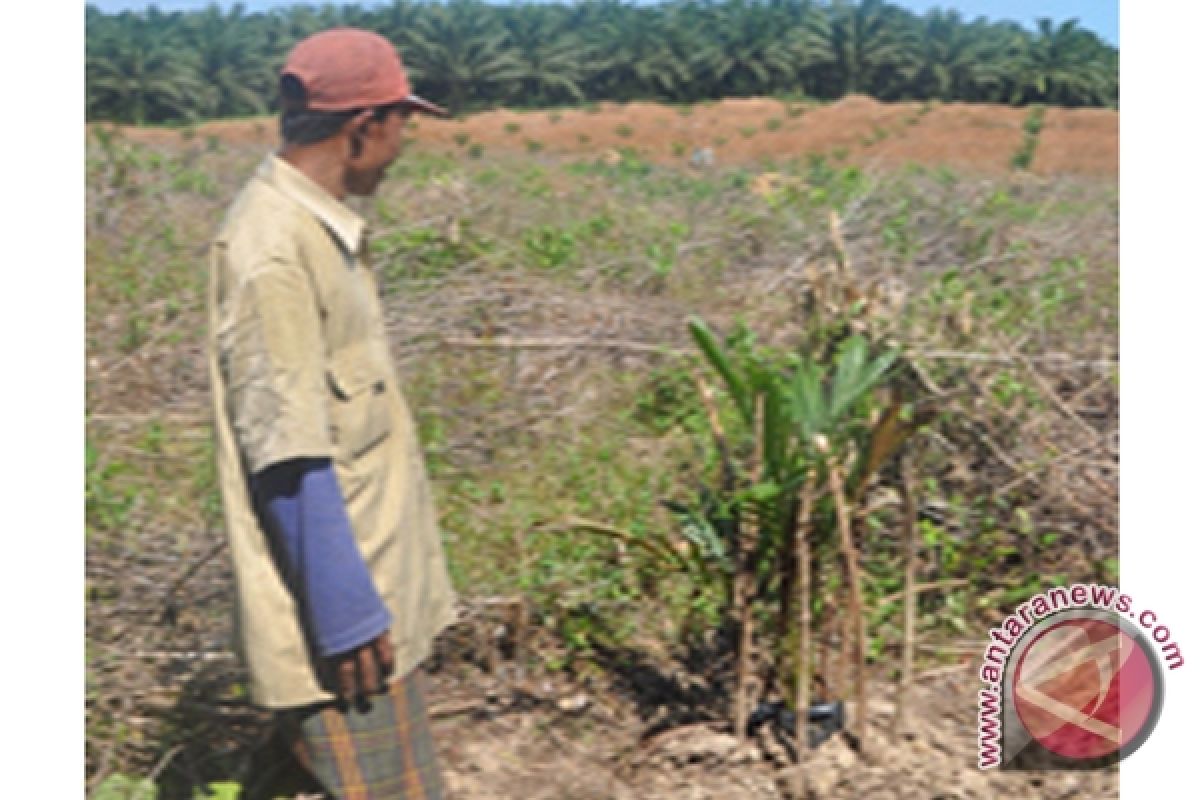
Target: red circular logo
x=1085, y=688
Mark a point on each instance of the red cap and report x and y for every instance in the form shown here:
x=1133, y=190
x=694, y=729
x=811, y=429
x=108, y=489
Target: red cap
x=346, y=68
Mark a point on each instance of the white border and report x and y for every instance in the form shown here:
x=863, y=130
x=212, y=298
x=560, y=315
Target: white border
x=42, y=418
x=1160, y=171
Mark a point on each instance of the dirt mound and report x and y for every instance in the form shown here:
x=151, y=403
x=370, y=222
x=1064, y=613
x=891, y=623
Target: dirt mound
x=854, y=130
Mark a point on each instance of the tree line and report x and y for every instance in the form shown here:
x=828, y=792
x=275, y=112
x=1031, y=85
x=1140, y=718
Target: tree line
x=178, y=67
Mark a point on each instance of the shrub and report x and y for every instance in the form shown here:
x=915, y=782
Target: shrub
x=1023, y=158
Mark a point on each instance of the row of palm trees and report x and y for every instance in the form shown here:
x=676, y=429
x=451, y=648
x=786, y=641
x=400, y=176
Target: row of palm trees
x=154, y=67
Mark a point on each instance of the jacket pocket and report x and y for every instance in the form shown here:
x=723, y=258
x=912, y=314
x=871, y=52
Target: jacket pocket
x=360, y=414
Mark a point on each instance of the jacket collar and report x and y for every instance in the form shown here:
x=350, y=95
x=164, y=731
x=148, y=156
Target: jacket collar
x=347, y=226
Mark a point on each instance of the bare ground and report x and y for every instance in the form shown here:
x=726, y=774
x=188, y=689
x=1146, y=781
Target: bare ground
x=549, y=752
x=860, y=130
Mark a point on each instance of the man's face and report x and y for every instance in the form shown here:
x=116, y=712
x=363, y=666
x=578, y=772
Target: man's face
x=380, y=143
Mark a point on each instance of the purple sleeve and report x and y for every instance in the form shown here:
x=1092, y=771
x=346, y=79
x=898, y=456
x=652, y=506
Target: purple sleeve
x=301, y=505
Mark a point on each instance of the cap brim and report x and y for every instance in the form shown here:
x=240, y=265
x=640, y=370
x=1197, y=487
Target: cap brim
x=424, y=106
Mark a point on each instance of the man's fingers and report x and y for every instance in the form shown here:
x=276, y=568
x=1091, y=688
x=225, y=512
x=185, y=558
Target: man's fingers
x=364, y=670
x=368, y=673
x=383, y=651
x=347, y=678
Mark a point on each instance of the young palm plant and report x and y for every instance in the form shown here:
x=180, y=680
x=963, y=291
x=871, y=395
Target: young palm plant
x=818, y=437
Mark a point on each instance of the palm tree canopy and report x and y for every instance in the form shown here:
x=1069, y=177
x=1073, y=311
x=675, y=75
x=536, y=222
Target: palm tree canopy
x=159, y=67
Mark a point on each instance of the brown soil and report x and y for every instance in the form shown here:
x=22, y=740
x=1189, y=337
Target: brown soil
x=507, y=749
x=857, y=130
x=1083, y=141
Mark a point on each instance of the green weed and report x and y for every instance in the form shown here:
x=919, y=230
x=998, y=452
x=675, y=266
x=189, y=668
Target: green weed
x=550, y=247
x=421, y=253
x=1023, y=158
x=108, y=495
x=125, y=787
x=1035, y=120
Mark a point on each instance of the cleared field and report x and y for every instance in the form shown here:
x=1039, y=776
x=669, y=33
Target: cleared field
x=536, y=291
x=856, y=130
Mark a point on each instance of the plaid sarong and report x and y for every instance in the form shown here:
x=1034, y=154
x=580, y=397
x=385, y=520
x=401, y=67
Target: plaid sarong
x=383, y=751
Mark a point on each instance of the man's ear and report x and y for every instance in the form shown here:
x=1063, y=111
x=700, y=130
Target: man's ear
x=354, y=129
x=359, y=121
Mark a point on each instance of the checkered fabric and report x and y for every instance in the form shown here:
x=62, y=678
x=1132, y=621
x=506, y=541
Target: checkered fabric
x=380, y=752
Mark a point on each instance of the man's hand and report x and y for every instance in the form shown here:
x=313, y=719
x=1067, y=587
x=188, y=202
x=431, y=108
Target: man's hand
x=364, y=670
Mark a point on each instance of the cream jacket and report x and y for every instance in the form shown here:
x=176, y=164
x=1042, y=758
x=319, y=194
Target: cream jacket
x=299, y=365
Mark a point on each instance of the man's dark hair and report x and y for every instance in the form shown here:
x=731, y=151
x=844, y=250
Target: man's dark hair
x=300, y=125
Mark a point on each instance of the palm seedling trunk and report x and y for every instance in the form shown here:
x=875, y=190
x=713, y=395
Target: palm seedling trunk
x=803, y=602
x=744, y=600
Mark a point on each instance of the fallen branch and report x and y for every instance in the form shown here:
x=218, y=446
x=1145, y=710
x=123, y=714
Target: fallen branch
x=920, y=588
x=1060, y=359
x=455, y=709
x=625, y=537
x=1056, y=400
x=554, y=343
x=940, y=672
x=163, y=762
x=183, y=655
x=911, y=546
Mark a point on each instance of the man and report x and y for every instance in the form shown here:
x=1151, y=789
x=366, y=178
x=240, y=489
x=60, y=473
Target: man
x=341, y=579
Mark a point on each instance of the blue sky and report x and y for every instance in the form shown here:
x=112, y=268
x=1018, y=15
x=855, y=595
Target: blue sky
x=1098, y=16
